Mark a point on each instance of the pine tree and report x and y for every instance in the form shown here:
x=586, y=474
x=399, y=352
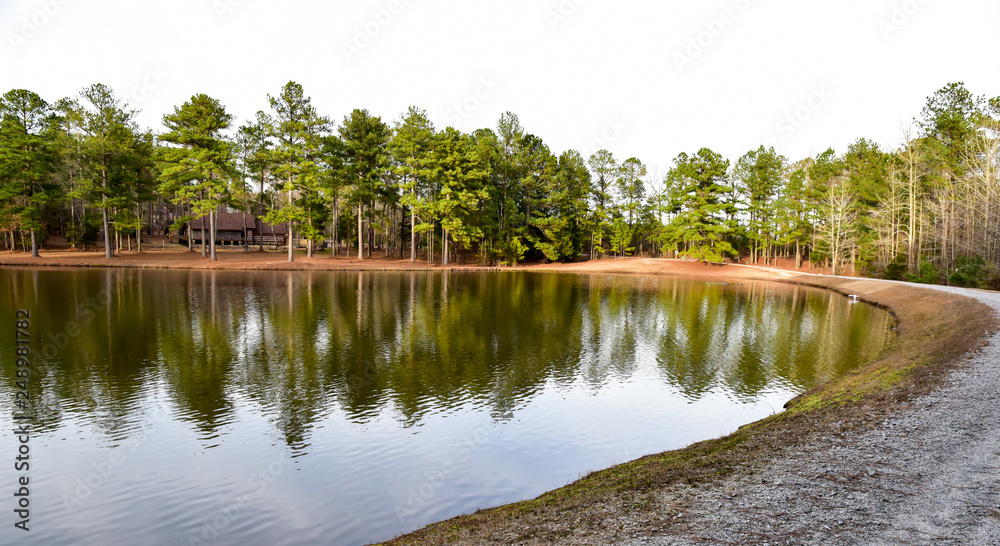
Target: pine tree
x=27, y=160
x=704, y=222
x=109, y=139
x=197, y=166
x=460, y=174
x=604, y=169
x=632, y=192
x=297, y=158
x=563, y=218
x=411, y=148
x=366, y=160
x=254, y=144
x=759, y=174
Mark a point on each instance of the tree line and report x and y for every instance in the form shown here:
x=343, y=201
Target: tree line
x=926, y=210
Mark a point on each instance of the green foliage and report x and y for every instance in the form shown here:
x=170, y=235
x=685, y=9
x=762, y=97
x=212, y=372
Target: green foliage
x=971, y=272
x=253, y=149
x=948, y=120
x=896, y=270
x=760, y=174
x=26, y=162
x=562, y=215
x=298, y=132
x=461, y=173
x=621, y=235
x=196, y=166
x=502, y=193
x=705, y=219
x=365, y=139
x=85, y=234
x=604, y=169
x=928, y=274
x=113, y=156
x=411, y=147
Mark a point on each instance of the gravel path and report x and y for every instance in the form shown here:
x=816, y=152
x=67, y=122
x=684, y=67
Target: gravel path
x=930, y=474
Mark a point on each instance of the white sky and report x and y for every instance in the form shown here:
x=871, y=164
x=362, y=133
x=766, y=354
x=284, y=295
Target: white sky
x=578, y=73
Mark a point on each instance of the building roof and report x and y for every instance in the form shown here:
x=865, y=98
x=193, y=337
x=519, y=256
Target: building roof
x=267, y=229
x=226, y=221
x=237, y=221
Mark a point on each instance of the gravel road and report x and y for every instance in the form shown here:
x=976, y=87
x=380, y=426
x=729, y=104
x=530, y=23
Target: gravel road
x=929, y=474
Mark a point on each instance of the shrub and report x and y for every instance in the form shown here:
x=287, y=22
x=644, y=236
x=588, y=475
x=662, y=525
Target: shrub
x=927, y=274
x=971, y=272
x=896, y=270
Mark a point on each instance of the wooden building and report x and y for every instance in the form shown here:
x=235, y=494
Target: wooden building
x=235, y=229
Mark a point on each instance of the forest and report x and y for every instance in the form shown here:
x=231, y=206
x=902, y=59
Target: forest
x=927, y=210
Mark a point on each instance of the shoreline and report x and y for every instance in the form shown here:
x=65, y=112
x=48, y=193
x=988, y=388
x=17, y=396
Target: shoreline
x=181, y=258
x=669, y=496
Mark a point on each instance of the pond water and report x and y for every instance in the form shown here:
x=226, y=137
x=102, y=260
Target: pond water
x=184, y=407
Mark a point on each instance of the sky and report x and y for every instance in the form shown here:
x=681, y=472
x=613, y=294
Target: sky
x=642, y=79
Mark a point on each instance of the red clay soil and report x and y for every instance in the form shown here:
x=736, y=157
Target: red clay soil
x=177, y=257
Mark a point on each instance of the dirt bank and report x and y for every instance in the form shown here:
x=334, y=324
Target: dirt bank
x=928, y=473
x=177, y=257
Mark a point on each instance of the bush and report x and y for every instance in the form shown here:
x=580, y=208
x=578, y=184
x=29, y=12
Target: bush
x=927, y=274
x=896, y=270
x=86, y=234
x=971, y=272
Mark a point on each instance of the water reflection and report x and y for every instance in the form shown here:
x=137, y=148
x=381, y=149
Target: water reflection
x=301, y=343
x=215, y=359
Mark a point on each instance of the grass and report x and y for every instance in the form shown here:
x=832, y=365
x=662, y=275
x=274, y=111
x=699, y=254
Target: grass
x=935, y=330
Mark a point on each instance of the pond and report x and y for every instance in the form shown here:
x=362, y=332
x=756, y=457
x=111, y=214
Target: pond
x=188, y=407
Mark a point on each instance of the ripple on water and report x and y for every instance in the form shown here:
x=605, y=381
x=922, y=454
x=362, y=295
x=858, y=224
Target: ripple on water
x=349, y=408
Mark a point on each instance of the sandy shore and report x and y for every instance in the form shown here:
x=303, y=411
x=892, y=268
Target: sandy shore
x=176, y=257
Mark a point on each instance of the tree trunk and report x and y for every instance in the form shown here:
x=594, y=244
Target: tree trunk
x=361, y=234
x=212, y=228
x=260, y=213
x=371, y=237
x=72, y=220
x=109, y=251
x=138, y=227
x=291, y=249
x=444, y=254
x=34, y=244
x=336, y=228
